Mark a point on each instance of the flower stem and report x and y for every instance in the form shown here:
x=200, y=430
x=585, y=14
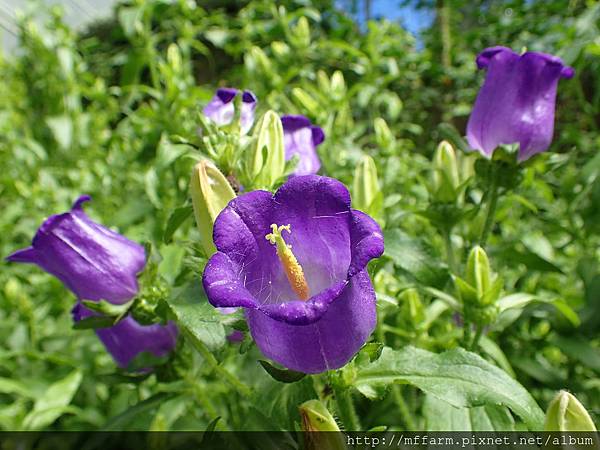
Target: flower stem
x=345, y=408
x=215, y=366
x=403, y=408
x=491, y=207
x=450, y=251
x=477, y=337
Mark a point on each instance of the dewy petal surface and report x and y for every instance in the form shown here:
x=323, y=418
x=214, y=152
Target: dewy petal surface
x=517, y=101
x=332, y=243
x=92, y=261
x=127, y=339
x=301, y=138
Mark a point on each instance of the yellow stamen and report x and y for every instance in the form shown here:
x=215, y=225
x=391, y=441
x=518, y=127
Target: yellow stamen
x=291, y=266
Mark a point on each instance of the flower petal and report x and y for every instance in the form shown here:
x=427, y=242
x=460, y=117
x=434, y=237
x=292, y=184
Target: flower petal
x=517, y=101
x=326, y=344
x=367, y=241
x=223, y=285
x=318, y=210
x=95, y=263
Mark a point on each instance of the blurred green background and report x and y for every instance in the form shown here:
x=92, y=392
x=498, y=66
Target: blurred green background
x=98, y=111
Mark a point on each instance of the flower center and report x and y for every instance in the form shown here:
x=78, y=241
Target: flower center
x=291, y=266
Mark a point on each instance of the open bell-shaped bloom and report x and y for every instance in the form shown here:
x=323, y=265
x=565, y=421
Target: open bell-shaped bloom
x=517, y=101
x=96, y=263
x=221, y=108
x=301, y=138
x=309, y=301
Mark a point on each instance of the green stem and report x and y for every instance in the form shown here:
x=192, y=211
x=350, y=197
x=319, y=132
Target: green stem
x=477, y=337
x=466, y=332
x=403, y=408
x=491, y=207
x=345, y=408
x=215, y=366
x=450, y=250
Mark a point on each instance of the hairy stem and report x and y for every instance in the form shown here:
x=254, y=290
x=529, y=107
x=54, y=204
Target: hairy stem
x=345, y=409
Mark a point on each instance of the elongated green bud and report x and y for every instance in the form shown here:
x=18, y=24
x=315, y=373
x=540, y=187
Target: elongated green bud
x=383, y=135
x=366, y=194
x=479, y=273
x=338, y=85
x=445, y=178
x=566, y=413
x=266, y=159
x=321, y=429
x=300, y=33
x=211, y=192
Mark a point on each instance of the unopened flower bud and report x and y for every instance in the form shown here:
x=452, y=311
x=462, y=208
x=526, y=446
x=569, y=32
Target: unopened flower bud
x=322, y=431
x=367, y=195
x=566, y=413
x=210, y=192
x=445, y=180
x=383, y=135
x=266, y=163
x=481, y=286
x=300, y=33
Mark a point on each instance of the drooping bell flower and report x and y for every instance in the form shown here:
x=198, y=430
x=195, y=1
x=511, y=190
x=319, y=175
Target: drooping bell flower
x=301, y=138
x=221, y=108
x=296, y=261
x=517, y=101
x=96, y=263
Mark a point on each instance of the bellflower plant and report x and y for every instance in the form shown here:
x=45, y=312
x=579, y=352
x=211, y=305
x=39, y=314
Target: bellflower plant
x=221, y=108
x=96, y=264
x=517, y=101
x=296, y=261
x=301, y=138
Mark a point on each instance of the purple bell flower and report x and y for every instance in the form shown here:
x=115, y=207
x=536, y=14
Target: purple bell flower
x=517, y=101
x=309, y=301
x=221, y=108
x=301, y=138
x=96, y=263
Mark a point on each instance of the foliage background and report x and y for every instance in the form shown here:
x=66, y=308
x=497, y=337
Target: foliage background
x=102, y=112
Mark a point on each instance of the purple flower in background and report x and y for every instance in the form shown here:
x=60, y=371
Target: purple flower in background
x=127, y=339
x=517, y=101
x=301, y=138
x=296, y=261
x=96, y=263
x=221, y=108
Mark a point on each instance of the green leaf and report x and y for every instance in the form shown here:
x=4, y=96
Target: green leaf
x=279, y=402
x=517, y=302
x=458, y=377
x=192, y=311
x=123, y=420
x=175, y=220
x=579, y=348
x=212, y=425
x=62, y=130
x=442, y=416
x=53, y=403
x=91, y=323
x=8, y=386
x=282, y=375
x=415, y=257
